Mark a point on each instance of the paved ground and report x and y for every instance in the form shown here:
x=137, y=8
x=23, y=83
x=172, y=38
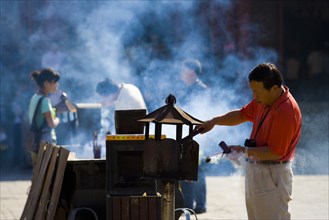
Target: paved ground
x=225, y=197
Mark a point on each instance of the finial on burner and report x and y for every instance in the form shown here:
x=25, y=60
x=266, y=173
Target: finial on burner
x=171, y=99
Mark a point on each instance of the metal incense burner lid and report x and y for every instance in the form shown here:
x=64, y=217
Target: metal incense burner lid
x=169, y=158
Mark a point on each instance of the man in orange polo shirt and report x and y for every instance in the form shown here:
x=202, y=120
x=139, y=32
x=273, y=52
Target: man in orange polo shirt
x=270, y=149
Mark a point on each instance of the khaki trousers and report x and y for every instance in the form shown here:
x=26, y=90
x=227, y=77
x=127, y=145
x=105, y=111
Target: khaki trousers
x=268, y=190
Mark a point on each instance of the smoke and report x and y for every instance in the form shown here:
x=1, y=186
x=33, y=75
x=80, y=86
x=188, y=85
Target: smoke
x=139, y=42
x=312, y=153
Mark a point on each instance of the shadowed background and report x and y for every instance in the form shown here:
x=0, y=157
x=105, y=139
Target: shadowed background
x=143, y=43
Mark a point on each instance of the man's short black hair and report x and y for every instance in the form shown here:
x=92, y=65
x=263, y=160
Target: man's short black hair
x=268, y=74
x=193, y=65
x=106, y=87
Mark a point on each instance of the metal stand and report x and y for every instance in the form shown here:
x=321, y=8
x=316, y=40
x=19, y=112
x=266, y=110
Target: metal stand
x=168, y=200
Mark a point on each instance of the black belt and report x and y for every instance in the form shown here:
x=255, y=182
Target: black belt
x=267, y=162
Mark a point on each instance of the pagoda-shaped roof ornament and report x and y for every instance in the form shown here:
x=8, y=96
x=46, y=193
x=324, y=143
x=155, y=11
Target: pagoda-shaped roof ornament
x=170, y=114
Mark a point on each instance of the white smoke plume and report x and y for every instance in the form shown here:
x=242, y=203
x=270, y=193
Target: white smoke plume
x=139, y=42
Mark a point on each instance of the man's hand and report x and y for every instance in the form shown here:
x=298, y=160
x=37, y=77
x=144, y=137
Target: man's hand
x=64, y=96
x=235, y=154
x=237, y=148
x=205, y=127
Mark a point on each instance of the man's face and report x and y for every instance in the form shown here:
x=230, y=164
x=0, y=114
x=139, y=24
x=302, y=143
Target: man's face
x=260, y=94
x=109, y=99
x=188, y=76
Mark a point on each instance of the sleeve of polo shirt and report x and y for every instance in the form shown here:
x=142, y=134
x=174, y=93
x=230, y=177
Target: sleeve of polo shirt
x=282, y=132
x=45, y=105
x=248, y=111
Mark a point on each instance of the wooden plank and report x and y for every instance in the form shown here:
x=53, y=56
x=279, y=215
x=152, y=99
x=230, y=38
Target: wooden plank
x=158, y=207
x=40, y=157
x=57, y=186
x=134, y=208
x=35, y=192
x=143, y=208
x=116, y=208
x=125, y=208
x=152, y=203
x=35, y=175
x=45, y=195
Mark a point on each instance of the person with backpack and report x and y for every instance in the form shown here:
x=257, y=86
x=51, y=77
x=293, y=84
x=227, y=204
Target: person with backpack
x=42, y=115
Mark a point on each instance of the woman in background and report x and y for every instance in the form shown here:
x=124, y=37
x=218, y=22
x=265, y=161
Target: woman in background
x=45, y=118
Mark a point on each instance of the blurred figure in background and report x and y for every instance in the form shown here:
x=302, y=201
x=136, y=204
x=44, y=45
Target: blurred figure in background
x=194, y=192
x=317, y=61
x=123, y=96
x=293, y=63
x=317, y=72
x=3, y=139
x=115, y=96
x=18, y=157
x=5, y=153
x=45, y=118
x=190, y=82
x=17, y=125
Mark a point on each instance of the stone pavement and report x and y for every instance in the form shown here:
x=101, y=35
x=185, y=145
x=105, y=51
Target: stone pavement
x=225, y=197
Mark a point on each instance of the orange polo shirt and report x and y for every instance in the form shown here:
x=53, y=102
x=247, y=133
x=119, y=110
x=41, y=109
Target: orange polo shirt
x=281, y=128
